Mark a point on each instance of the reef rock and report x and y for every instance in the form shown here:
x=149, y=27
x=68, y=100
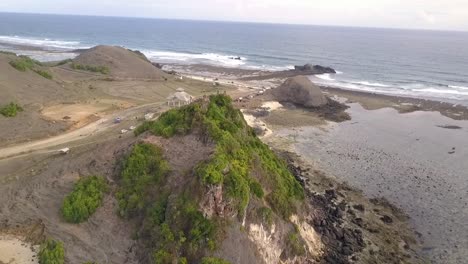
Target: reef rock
x=315, y=69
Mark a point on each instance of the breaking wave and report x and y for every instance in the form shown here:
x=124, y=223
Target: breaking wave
x=190, y=58
x=44, y=42
x=413, y=89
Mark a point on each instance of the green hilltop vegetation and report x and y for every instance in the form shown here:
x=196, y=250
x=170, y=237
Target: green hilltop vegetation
x=90, y=68
x=173, y=227
x=51, y=252
x=84, y=200
x=23, y=63
x=237, y=149
x=11, y=110
x=178, y=232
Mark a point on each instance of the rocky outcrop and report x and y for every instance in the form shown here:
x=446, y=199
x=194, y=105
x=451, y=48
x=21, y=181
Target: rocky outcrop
x=300, y=90
x=307, y=69
x=314, y=69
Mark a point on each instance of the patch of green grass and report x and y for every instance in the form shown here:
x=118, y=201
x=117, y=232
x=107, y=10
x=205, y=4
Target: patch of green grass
x=256, y=188
x=44, y=74
x=51, y=252
x=176, y=231
x=238, y=152
x=295, y=244
x=266, y=215
x=11, y=110
x=23, y=63
x=84, y=200
x=91, y=68
x=144, y=167
x=63, y=62
x=179, y=233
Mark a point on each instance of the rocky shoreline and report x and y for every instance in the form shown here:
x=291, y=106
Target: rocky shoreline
x=349, y=232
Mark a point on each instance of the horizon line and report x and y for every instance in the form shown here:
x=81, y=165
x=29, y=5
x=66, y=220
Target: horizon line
x=237, y=21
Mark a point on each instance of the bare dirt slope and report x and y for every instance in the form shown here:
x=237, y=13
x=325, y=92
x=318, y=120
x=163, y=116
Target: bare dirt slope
x=121, y=62
x=25, y=87
x=31, y=91
x=35, y=193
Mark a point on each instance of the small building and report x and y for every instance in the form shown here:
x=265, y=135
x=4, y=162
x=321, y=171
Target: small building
x=179, y=98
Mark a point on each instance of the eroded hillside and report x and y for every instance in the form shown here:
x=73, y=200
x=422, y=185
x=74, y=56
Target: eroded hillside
x=198, y=186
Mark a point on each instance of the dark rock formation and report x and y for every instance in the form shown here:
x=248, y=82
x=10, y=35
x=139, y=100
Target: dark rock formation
x=315, y=69
x=157, y=65
x=300, y=90
x=307, y=69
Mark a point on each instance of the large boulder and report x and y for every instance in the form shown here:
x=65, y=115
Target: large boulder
x=300, y=90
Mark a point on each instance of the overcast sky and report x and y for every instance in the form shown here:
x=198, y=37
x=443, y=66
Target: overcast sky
x=427, y=14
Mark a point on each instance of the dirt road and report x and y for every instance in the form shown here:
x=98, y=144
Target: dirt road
x=103, y=124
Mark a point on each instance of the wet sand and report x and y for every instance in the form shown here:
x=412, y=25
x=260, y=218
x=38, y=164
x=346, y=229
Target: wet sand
x=410, y=159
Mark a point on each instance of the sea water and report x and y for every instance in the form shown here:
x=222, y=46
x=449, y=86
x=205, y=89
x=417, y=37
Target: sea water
x=418, y=63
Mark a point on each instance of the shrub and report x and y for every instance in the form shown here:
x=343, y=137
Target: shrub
x=11, y=110
x=177, y=232
x=44, y=74
x=256, y=188
x=91, y=68
x=266, y=215
x=24, y=63
x=144, y=167
x=63, y=62
x=295, y=244
x=51, y=252
x=85, y=198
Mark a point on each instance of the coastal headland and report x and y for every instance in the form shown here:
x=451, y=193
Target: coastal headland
x=382, y=175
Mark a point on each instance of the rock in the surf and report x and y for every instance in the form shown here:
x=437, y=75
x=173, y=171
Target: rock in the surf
x=315, y=69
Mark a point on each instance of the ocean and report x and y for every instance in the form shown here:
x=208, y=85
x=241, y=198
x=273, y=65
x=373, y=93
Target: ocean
x=427, y=64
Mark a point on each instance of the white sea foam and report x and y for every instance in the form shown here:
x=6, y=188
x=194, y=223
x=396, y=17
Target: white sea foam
x=440, y=91
x=413, y=89
x=325, y=76
x=269, y=67
x=376, y=84
x=458, y=87
x=38, y=42
x=211, y=58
